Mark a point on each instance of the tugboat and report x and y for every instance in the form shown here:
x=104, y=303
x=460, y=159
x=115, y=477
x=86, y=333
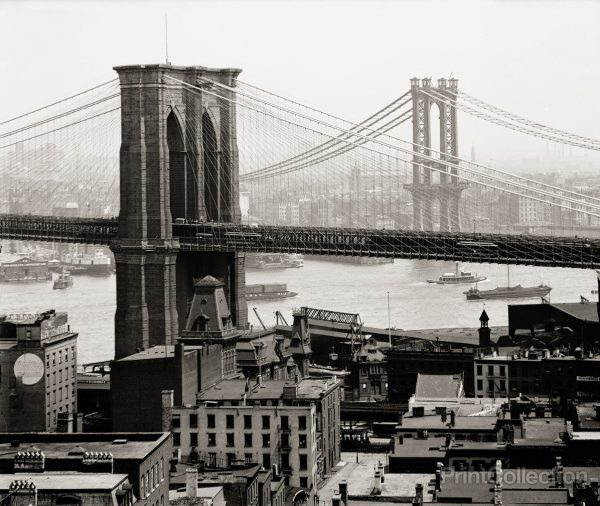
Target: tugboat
x=459, y=276
x=508, y=292
x=63, y=281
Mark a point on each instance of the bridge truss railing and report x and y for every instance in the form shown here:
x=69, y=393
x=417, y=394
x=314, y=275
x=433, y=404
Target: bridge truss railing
x=466, y=247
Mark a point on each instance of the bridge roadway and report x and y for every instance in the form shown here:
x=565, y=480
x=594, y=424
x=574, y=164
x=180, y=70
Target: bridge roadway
x=464, y=247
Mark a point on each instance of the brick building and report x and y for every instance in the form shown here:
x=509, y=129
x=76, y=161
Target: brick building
x=294, y=426
x=137, y=461
x=38, y=364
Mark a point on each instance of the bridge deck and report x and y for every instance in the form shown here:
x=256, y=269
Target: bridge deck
x=465, y=247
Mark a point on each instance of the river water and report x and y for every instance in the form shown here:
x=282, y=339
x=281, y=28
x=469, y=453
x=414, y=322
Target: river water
x=345, y=287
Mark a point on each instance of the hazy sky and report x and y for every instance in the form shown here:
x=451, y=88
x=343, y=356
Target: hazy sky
x=540, y=59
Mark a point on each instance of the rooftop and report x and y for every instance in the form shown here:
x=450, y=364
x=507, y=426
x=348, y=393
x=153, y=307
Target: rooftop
x=235, y=389
x=439, y=386
x=58, y=445
x=62, y=482
x=433, y=422
x=587, y=312
x=154, y=352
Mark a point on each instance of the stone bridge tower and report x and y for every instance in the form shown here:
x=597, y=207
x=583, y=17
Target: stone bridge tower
x=435, y=180
x=178, y=159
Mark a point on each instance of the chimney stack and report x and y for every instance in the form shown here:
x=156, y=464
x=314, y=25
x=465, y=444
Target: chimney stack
x=343, y=488
x=418, y=494
x=191, y=482
x=377, y=487
x=438, y=476
x=558, y=473
x=498, y=484
x=452, y=418
x=168, y=400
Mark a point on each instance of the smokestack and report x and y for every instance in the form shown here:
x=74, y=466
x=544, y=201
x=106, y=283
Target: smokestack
x=418, y=494
x=452, y=418
x=336, y=499
x=558, y=473
x=191, y=482
x=400, y=417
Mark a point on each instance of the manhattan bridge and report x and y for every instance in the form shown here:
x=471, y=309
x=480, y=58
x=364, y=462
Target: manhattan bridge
x=182, y=170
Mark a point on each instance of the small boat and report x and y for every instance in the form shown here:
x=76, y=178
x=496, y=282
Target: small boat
x=508, y=292
x=63, y=281
x=459, y=276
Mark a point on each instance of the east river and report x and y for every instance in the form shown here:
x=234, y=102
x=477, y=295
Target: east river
x=414, y=304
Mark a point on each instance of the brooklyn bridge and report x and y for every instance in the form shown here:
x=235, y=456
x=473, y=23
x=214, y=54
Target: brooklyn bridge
x=211, y=167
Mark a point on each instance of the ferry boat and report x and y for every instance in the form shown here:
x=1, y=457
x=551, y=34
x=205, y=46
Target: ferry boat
x=63, y=281
x=508, y=292
x=271, y=291
x=91, y=264
x=274, y=261
x=459, y=276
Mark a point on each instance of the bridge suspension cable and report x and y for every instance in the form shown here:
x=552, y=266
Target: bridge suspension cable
x=275, y=115
x=474, y=173
x=525, y=121
x=507, y=124
x=469, y=163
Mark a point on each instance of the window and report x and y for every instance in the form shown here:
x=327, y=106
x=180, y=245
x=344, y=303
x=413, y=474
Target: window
x=266, y=422
x=285, y=460
x=284, y=422
x=212, y=439
x=247, y=421
x=193, y=439
x=162, y=469
x=230, y=439
x=304, y=482
x=502, y=385
x=266, y=440
x=266, y=460
x=302, y=422
x=490, y=370
x=248, y=458
x=502, y=370
x=230, y=459
x=176, y=439
x=285, y=440
x=479, y=384
x=194, y=421
x=303, y=462
x=248, y=440
x=490, y=385
x=229, y=421
x=210, y=421
x=301, y=440
x=176, y=421
x=212, y=459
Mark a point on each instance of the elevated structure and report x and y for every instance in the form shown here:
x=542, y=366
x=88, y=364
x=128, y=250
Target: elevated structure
x=171, y=169
x=426, y=188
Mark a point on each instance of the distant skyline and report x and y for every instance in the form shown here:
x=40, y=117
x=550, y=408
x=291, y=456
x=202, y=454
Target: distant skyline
x=537, y=59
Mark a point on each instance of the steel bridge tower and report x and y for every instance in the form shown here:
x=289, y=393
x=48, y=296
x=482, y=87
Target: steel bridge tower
x=178, y=159
x=426, y=186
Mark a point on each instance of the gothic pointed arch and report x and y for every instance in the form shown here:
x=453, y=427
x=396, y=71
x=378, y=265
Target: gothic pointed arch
x=210, y=165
